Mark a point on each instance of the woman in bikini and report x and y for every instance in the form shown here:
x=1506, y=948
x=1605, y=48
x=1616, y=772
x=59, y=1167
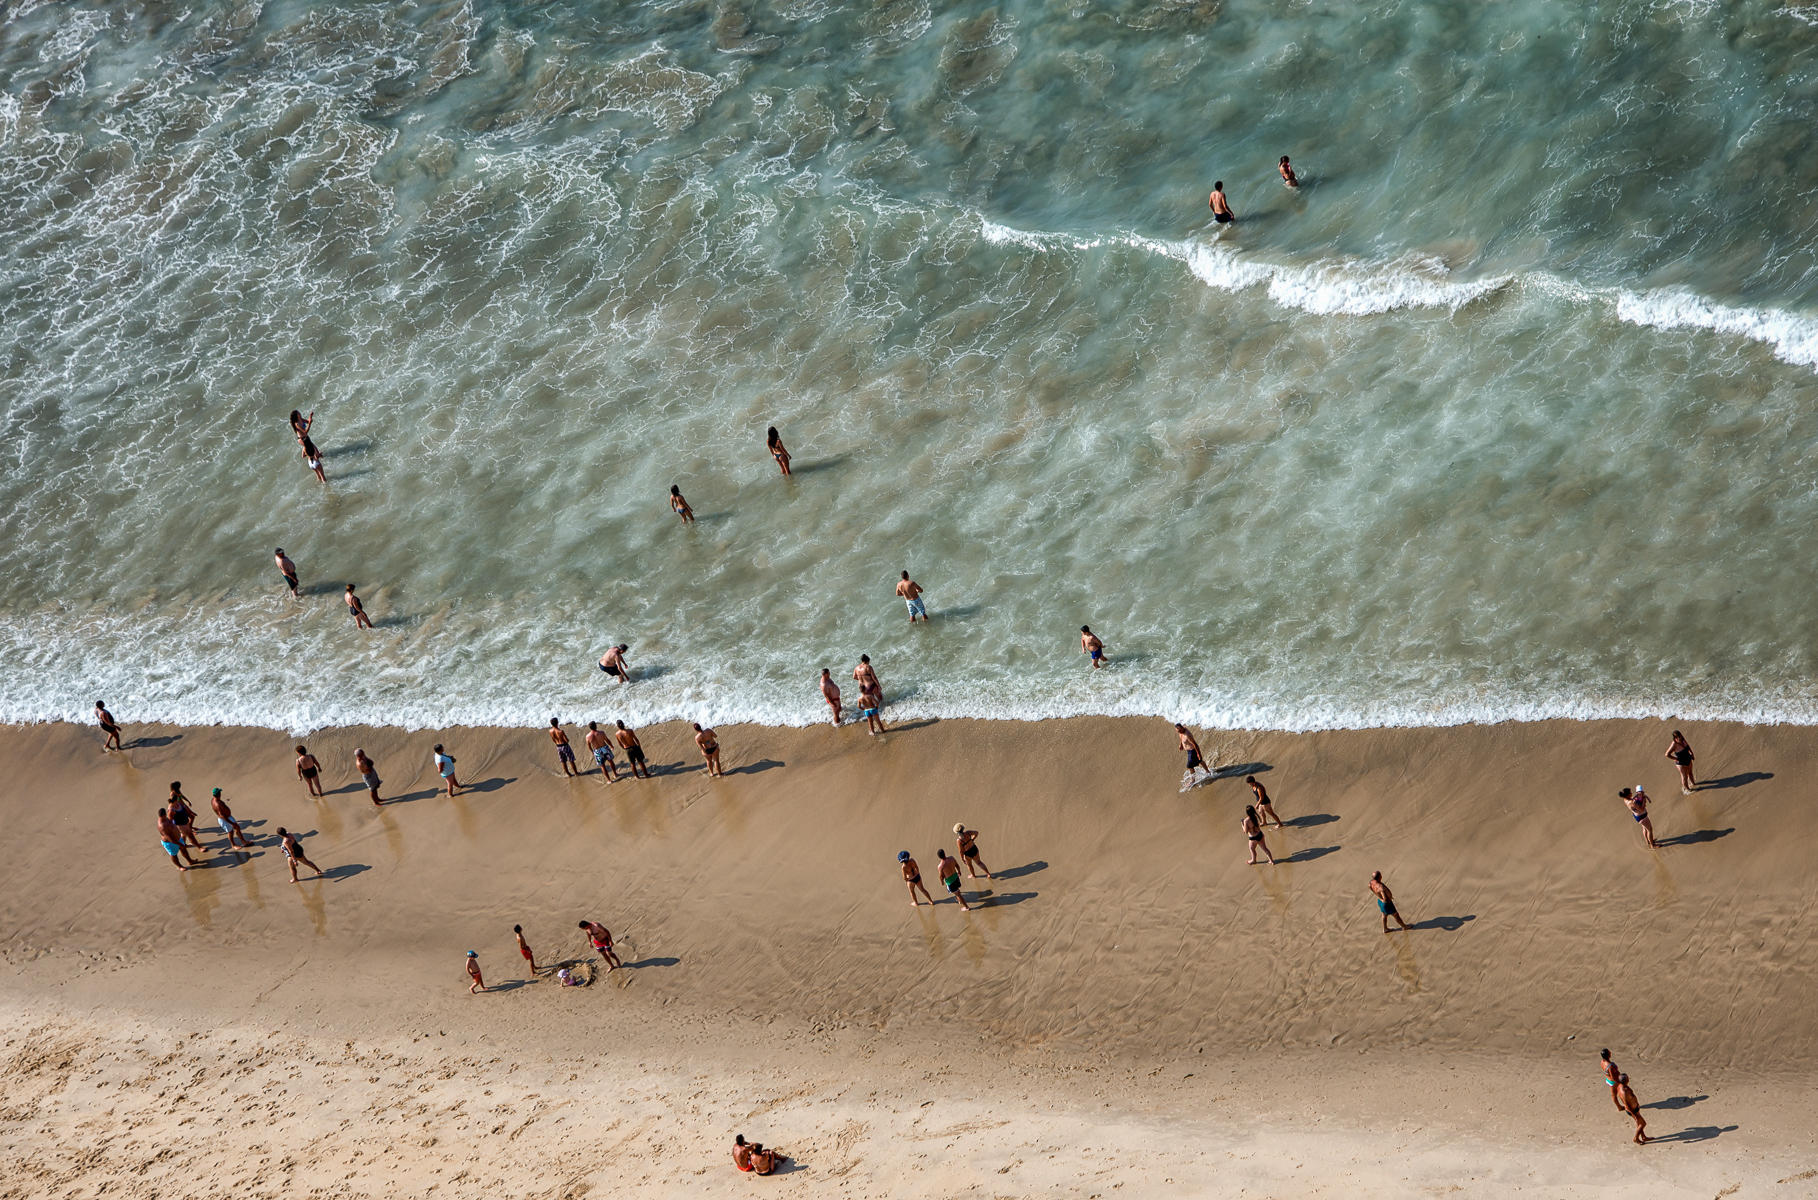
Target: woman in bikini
x=1263, y=807
x=680, y=504
x=1681, y=754
x=1253, y=831
x=777, y=452
x=182, y=815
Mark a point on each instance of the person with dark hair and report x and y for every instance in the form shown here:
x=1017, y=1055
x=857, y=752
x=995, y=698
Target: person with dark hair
x=1091, y=646
x=1287, y=173
x=564, y=752
x=613, y=663
x=948, y=872
x=1221, y=208
x=355, y=609
x=287, y=569
x=293, y=853
x=1612, y=1075
x=1630, y=1103
x=299, y=424
x=1264, y=809
x=1385, y=901
x=866, y=674
x=182, y=815
x=777, y=451
x=171, y=838
x=911, y=592
x=1681, y=754
x=224, y=816
x=830, y=692
x=710, y=750
x=680, y=504
x=634, y=751
x=764, y=1160
x=369, y=774
x=912, y=878
x=1195, y=760
x=601, y=938
x=968, y=848
x=741, y=1153
x=445, y=767
x=517, y=931
x=105, y=719
x=1253, y=831
x=309, y=771
x=1637, y=800
x=601, y=745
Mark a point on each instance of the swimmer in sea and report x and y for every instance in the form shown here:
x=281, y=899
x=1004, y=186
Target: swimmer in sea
x=355, y=609
x=613, y=663
x=1637, y=800
x=1253, y=831
x=1287, y=173
x=1264, y=809
x=911, y=592
x=634, y=751
x=710, y=750
x=299, y=424
x=287, y=569
x=601, y=746
x=171, y=838
x=564, y=752
x=1385, y=901
x=1221, y=208
x=1681, y=754
x=912, y=879
x=105, y=719
x=309, y=771
x=677, y=502
x=313, y=457
x=369, y=775
x=777, y=451
x=1091, y=647
x=1195, y=760
x=830, y=692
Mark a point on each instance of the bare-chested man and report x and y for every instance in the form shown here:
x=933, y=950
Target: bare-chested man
x=912, y=878
x=369, y=775
x=1385, y=900
x=105, y=720
x=613, y=663
x=1630, y=1103
x=911, y=592
x=224, y=816
x=172, y=840
x=634, y=751
x=564, y=752
x=710, y=750
x=1091, y=647
x=601, y=746
x=1195, y=760
x=601, y=937
x=309, y=771
x=287, y=569
x=1637, y=800
x=1221, y=208
x=830, y=692
x=1287, y=173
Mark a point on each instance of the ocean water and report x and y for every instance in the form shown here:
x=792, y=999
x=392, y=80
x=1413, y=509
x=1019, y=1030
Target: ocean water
x=1510, y=412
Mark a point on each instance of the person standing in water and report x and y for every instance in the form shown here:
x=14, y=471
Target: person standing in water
x=171, y=838
x=1195, y=760
x=109, y=727
x=1253, y=831
x=968, y=848
x=224, y=816
x=473, y=973
x=710, y=750
x=601, y=746
x=1385, y=901
x=634, y=751
x=445, y=767
x=309, y=771
x=1287, y=173
x=369, y=775
x=564, y=752
x=1221, y=208
x=1630, y=1103
x=293, y=853
x=912, y=879
x=1637, y=800
x=830, y=692
x=777, y=451
x=1264, y=809
x=867, y=675
x=299, y=424
x=355, y=609
x=680, y=504
x=1091, y=646
x=1681, y=754
x=911, y=592
x=287, y=569
x=613, y=663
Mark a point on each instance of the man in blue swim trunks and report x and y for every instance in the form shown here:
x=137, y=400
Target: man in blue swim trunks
x=1385, y=900
x=1091, y=647
x=172, y=839
x=911, y=592
x=601, y=745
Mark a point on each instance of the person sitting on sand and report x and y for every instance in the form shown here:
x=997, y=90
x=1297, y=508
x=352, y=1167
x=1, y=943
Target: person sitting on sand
x=741, y=1153
x=764, y=1160
x=1631, y=1104
x=567, y=978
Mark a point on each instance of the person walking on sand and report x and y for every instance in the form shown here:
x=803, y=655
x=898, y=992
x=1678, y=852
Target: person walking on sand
x=287, y=569
x=777, y=451
x=1630, y=1103
x=710, y=750
x=1091, y=647
x=473, y=973
x=1253, y=831
x=1287, y=173
x=911, y=592
x=445, y=767
x=912, y=879
x=1221, y=208
x=355, y=609
x=601, y=939
x=601, y=746
x=313, y=457
x=182, y=815
x=830, y=692
x=517, y=931
x=369, y=775
x=1195, y=760
x=293, y=853
x=105, y=719
x=680, y=504
x=224, y=816
x=1612, y=1076
x=171, y=838
x=948, y=871
x=564, y=752
x=1681, y=754
x=634, y=751
x=613, y=663
x=309, y=771
x=1385, y=901
x=1264, y=809
x=968, y=848
x=1637, y=800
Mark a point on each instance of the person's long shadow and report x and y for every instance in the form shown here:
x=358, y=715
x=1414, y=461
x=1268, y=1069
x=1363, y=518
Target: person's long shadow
x=342, y=791
x=676, y=768
x=1019, y=872
x=1696, y=1133
x=651, y=962
x=1735, y=781
x=1309, y=854
x=1002, y=899
x=1241, y=769
x=429, y=794
x=321, y=589
x=349, y=448
x=763, y=764
x=345, y=871
x=1449, y=924
x=911, y=725
x=1310, y=819
x=1694, y=838
x=818, y=465
x=147, y=743
x=488, y=785
x=210, y=861
x=959, y=612
x=392, y=621
x=1676, y=1102
x=510, y=985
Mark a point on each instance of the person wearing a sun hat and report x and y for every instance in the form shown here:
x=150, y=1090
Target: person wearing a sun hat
x=912, y=878
x=473, y=973
x=968, y=848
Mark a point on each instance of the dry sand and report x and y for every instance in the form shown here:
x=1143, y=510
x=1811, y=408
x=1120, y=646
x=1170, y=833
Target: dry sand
x=1131, y=1010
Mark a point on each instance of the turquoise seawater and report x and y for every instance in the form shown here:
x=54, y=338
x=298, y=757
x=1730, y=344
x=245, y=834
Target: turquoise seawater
x=1509, y=412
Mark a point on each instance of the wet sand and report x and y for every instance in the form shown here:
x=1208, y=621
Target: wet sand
x=1130, y=1005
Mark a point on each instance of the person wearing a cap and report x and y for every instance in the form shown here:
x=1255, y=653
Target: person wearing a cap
x=912, y=877
x=229, y=826
x=473, y=972
x=968, y=848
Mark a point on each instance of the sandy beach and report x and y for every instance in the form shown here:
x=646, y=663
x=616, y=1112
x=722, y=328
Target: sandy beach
x=1129, y=1007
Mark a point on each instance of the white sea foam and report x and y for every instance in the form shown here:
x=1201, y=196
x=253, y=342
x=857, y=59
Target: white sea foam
x=1794, y=338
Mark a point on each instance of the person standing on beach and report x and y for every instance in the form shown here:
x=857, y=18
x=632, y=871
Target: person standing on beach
x=1253, y=831
x=445, y=767
x=634, y=751
x=710, y=750
x=1287, y=173
x=871, y=707
x=912, y=879
x=355, y=609
x=1221, y=208
x=1681, y=754
x=911, y=592
x=182, y=815
x=1195, y=760
x=369, y=775
x=613, y=663
x=1091, y=647
x=309, y=771
x=777, y=451
x=105, y=719
x=1630, y=1103
x=517, y=931
x=948, y=870
x=287, y=569
x=473, y=973
x=1637, y=800
x=1385, y=901
x=680, y=504
x=171, y=838
x=293, y=853
x=968, y=848
x=564, y=752
x=601, y=746
x=224, y=816
x=1264, y=809
x=601, y=938
x=830, y=692
x=1612, y=1076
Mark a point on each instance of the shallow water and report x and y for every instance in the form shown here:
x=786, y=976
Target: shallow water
x=1507, y=413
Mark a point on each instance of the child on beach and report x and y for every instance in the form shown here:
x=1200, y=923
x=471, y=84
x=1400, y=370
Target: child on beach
x=473, y=973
